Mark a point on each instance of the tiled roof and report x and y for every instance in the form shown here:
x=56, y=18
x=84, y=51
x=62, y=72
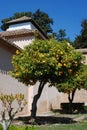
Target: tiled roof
x=9, y=43
x=22, y=19
x=16, y=32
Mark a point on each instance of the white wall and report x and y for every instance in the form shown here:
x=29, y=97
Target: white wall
x=27, y=25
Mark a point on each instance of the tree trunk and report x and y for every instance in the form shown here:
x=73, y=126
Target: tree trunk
x=4, y=126
x=70, y=106
x=71, y=98
x=35, y=99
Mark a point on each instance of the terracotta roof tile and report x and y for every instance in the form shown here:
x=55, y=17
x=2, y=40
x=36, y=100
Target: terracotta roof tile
x=22, y=19
x=9, y=43
x=16, y=32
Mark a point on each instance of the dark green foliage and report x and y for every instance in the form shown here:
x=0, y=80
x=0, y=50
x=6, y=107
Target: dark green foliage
x=43, y=20
x=81, y=40
x=61, y=35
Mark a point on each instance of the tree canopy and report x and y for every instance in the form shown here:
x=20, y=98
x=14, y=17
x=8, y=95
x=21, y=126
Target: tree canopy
x=81, y=39
x=61, y=35
x=42, y=18
x=46, y=60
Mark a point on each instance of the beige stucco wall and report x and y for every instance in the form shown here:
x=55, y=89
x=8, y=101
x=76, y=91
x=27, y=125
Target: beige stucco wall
x=22, y=41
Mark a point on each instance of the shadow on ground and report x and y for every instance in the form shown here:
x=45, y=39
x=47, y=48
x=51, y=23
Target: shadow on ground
x=41, y=120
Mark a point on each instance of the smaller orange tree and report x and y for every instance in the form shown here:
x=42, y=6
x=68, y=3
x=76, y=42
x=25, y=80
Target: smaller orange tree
x=8, y=112
x=45, y=61
x=77, y=81
x=74, y=82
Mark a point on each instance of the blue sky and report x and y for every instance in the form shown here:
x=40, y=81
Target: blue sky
x=66, y=14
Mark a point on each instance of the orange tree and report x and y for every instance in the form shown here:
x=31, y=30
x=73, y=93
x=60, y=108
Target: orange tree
x=74, y=82
x=45, y=61
x=77, y=81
